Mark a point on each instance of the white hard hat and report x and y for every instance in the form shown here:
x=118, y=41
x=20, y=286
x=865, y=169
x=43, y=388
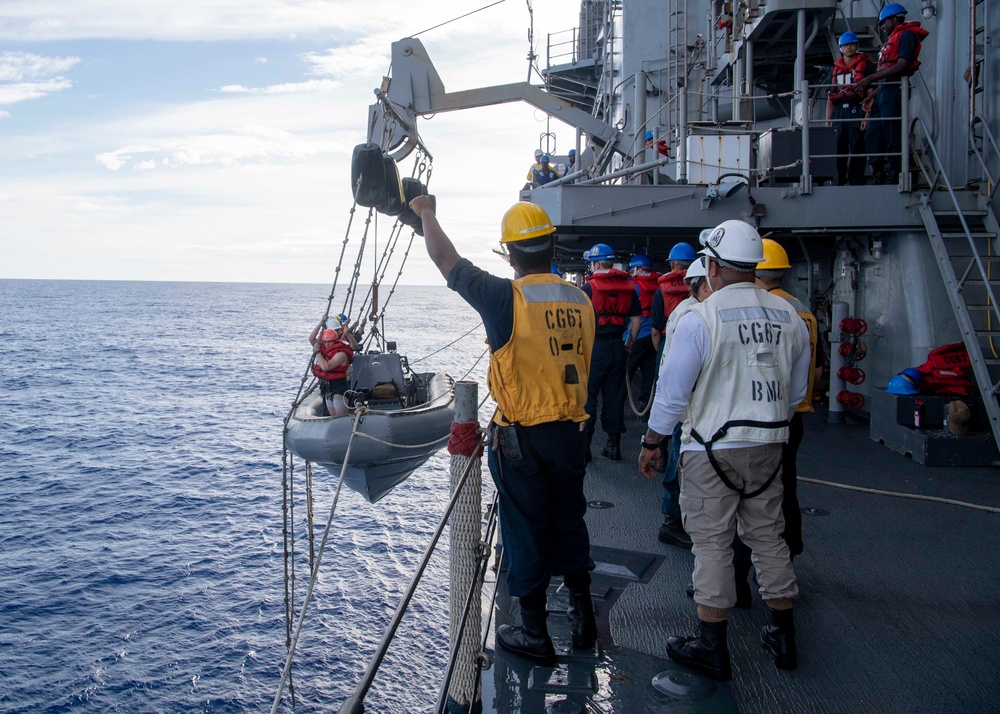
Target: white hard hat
x=703, y=236
x=735, y=242
x=696, y=269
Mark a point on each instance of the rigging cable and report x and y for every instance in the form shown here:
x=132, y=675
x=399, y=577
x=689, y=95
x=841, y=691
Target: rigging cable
x=484, y=7
x=314, y=571
x=457, y=339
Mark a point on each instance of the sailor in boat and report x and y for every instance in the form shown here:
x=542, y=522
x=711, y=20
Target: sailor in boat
x=541, y=332
x=739, y=366
x=333, y=353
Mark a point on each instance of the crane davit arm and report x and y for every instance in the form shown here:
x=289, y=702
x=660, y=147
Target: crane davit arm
x=416, y=89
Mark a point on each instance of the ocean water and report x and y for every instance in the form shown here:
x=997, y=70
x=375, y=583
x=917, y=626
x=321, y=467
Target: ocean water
x=141, y=504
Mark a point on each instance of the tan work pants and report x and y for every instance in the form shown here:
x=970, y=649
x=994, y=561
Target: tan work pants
x=712, y=514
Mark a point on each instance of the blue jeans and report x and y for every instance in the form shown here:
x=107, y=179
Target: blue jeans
x=671, y=506
x=542, y=506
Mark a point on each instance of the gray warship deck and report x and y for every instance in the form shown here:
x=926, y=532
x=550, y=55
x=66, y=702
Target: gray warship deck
x=899, y=608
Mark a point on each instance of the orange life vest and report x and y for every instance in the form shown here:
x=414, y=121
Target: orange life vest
x=611, y=293
x=845, y=75
x=328, y=353
x=648, y=286
x=890, y=50
x=674, y=290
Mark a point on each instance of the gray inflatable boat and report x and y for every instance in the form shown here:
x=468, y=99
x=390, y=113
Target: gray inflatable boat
x=407, y=419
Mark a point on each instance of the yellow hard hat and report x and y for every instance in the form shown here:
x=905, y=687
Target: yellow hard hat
x=775, y=257
x=524, y=221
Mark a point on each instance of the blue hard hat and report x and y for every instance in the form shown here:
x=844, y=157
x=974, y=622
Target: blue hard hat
x=681, y=251
x=912, y=373
x=848, y=38
x=649, y=135
x=904, y=384
x=601, y=251
x=544, y=159
x=556, y=270
x=640, y=261
x=891, y=10
x=572, y=152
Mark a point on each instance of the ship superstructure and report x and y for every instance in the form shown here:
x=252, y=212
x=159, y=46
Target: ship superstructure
x=737, y=92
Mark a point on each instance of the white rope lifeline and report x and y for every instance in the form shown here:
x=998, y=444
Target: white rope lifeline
x=915, y=496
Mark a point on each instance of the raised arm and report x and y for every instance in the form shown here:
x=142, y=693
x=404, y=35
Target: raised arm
x=439, y=247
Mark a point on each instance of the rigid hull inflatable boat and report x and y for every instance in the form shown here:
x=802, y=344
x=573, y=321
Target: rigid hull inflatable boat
x=406, y=419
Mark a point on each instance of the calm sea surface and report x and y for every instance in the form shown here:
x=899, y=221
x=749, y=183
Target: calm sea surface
x=141, y=519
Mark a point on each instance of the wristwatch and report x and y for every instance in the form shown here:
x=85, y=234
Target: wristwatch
x=647, y=445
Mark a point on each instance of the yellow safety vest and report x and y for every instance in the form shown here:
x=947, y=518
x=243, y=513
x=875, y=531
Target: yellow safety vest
x=540, y=375
x=810, y=320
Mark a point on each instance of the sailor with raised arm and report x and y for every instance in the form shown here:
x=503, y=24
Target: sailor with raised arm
x=540, y=330
x=736, y=370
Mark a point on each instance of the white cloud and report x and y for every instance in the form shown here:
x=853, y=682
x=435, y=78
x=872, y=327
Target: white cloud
x=23, y=91
x=19, y=66
x=309, y=86
x=369, y=57
x=261, y=60
x=4, y=115
x=239, y=146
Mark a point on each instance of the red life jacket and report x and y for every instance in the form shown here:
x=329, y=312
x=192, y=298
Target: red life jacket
x=647, y=285
x=946, y=370
x=890, y=50
x=328, y=353
x=611, y=293
x=845, y=75
x=674, y=290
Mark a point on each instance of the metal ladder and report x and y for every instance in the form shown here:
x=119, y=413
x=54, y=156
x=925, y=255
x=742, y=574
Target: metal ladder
x=677, y=61
x=964, y=238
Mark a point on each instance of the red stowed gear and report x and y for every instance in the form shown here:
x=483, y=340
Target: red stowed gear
x=674, y=290
x=854, y=73
x=611, y=293
x=648, y=286
x=328, y=351
x=890, y=50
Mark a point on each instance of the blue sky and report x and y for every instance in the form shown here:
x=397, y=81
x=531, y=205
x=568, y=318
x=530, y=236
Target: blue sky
x=211, y=140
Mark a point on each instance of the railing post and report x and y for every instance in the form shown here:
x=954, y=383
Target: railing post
x=806, y=118
x=682, y=139
x=466, y=534
x=905, y=181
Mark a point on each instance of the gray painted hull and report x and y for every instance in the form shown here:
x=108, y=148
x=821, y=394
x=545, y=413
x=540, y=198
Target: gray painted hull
x=390, y=444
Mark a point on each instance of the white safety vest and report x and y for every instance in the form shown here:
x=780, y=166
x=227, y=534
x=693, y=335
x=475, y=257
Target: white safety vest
x=671, y=327
x=754, y=339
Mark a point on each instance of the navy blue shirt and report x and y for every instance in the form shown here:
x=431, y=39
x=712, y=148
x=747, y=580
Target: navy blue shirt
x=908, y=42
x=490, y=296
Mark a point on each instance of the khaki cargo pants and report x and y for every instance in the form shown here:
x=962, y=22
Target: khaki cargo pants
x=713, y=513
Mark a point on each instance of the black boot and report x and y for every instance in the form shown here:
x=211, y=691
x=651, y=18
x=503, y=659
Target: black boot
x=587, y=455
x=778, y=638
x=612, y=450
x=744, y=593
x=705, y=652
x=673, y=533
x=531, y=640
x=580, y=614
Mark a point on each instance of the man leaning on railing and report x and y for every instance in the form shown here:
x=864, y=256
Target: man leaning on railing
x=897, y=60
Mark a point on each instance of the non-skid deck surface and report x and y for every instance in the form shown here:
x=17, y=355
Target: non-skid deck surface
x=899, y=607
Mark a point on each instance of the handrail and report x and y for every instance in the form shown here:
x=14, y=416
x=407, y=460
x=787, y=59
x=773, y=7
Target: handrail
x=982, y=159
x=943, y=175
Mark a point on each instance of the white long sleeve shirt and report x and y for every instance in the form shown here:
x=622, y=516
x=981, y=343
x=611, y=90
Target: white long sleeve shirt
x=683, y=363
